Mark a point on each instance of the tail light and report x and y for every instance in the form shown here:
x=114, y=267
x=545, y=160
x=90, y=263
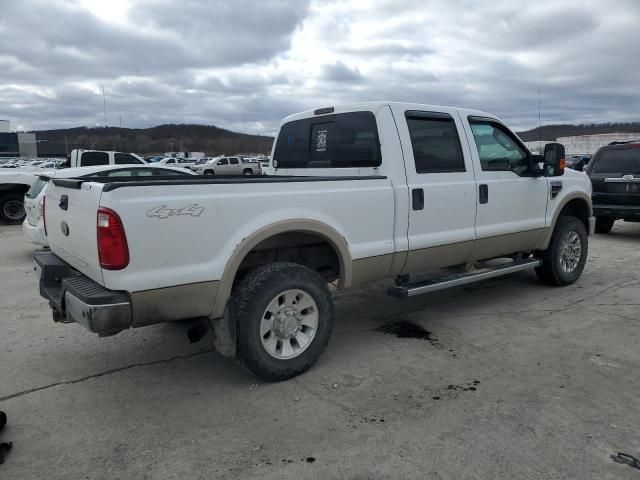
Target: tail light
x=113, y=250
x=43, y=213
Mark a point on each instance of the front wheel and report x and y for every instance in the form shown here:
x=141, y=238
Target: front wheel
x=284, y=319
x=209, y=172
x=12, y=208
x=604, y=224
x=566, y=255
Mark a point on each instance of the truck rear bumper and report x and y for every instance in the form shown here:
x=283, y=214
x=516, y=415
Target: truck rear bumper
x=74, y=297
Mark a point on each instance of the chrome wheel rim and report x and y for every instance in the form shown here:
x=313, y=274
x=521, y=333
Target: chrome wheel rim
x=570, y=251
x=13, y=210
x=289, y=324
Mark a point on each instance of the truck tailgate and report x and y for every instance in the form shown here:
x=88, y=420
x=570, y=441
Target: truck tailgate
x=71, y=209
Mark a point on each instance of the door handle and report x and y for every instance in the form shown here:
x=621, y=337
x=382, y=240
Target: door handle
x=483, y=191
x=417, y=197
x=64, y=202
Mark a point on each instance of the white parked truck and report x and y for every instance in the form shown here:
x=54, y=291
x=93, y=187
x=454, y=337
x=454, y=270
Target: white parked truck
x=15, y=183
x=356, y=194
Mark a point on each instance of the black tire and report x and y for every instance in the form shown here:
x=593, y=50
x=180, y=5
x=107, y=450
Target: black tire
x=252, y=297
x=247, y=171
x=3, y=420
x=551, y=271
x=209, y=172
x=8, y=211
x=604, y=224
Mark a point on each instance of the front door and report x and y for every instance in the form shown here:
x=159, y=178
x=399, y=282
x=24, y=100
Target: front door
x=442, y=206
x=512, y=204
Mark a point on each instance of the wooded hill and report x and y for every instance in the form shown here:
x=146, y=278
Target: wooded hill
x=163, y=138
x=552, y=132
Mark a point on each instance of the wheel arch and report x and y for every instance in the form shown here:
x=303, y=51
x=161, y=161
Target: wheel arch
x=303, y=226
x=576, y=204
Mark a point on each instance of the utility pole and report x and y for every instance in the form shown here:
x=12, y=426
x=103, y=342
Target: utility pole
x=539, y=121
x=104, y=103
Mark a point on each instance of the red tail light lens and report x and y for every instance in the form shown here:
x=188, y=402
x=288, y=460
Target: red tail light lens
x=113, y=250
x=44, y=216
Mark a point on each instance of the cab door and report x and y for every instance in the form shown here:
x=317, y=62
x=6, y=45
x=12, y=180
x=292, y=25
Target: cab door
x=511, y=203
x=222, y=167
x=442, y=187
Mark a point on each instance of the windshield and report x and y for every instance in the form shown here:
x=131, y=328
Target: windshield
x=619, y=161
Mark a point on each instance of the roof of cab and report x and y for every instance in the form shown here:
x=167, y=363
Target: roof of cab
x=375, y=106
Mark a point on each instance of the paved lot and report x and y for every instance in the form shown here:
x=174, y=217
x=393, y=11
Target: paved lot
x=555, y=373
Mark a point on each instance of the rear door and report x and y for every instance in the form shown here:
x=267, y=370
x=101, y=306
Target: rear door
x=442, y=186
x=511, y=203
x=615, y=176
x=235, y=166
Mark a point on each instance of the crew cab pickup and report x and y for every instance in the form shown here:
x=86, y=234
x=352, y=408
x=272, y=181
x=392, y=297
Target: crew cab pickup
x=356, y=194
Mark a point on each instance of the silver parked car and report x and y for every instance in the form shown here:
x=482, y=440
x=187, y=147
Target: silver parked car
x=229, y=166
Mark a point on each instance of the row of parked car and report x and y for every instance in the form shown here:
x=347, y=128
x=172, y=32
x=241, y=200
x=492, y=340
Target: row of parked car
x=220, y=165
x=31, y=163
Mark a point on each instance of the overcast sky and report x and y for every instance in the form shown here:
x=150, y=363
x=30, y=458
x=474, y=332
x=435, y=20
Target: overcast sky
x=244, y=65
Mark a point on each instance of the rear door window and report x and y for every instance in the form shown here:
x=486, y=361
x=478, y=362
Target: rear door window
x=333, y=141
x=619, y=161
x=233, y=161
x=435, y=142
x=89, y=159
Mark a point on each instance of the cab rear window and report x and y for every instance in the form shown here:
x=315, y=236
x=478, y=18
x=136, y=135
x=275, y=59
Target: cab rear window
x=344, y=140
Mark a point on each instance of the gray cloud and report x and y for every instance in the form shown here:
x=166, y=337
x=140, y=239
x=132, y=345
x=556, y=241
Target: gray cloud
x=244, y=65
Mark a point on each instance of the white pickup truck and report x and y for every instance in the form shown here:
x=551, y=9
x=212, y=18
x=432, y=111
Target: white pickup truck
x=15, y=183
x=356, y=194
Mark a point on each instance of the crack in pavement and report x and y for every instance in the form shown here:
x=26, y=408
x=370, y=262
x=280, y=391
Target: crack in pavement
x=102, y=374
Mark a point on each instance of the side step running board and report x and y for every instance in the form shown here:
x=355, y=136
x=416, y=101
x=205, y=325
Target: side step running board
x=413, y=289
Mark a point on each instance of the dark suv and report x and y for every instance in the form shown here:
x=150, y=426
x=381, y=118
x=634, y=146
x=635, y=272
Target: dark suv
x=615, y=175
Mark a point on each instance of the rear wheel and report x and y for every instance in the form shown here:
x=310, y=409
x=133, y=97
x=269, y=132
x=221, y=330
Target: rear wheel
x=604, y=224
x=564, y=259
x=284, y=319
x=247, y=171
x=12, y=208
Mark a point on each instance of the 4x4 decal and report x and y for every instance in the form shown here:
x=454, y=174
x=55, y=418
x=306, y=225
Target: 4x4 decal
x=161, y=211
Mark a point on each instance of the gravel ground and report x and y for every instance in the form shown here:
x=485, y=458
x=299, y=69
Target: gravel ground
x=511, y=379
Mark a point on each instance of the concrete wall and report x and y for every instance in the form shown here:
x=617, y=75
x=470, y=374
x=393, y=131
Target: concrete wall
x=589, y=144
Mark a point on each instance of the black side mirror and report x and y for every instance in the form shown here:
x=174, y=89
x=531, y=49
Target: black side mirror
x=554, y=160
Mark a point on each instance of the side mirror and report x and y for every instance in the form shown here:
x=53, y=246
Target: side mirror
x=554, y=162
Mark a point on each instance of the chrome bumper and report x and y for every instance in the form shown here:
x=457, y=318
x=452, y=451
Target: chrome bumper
x=102, y=319
x=76, y=298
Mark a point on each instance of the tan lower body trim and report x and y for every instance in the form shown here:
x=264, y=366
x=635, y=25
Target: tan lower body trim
x=426, y=259
x=371, y=269
x=492, y=247
x=173, y=303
